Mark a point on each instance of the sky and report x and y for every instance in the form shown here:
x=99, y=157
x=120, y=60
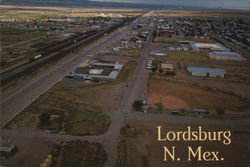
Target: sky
x=228, y=4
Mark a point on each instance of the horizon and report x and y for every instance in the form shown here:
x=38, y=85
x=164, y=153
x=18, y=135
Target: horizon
x=225, y=4
x=188, y=4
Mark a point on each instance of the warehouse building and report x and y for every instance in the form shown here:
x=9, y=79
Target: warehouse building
x=206, y=72
x=225, y=55
x=207, y=46
x=158, y=53
x=97, y=70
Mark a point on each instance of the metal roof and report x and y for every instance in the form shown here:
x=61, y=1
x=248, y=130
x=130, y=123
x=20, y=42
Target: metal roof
x=165, y=66
x=206, y=70
x=226, y=53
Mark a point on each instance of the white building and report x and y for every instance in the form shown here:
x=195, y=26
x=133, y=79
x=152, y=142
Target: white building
x=211, y=46
x=206, y=72
x=225, y=55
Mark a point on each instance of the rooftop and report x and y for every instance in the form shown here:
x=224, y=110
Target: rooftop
x=226, y=53
x=206, y=70
x=167, y=66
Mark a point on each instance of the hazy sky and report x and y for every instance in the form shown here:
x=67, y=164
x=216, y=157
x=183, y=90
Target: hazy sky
x=232, y=4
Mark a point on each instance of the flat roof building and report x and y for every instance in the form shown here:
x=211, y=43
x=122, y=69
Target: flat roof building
x=158, y=53
x=167, y=66
x=207, y=46
x=168, y=69
x=225, y=55
x=96, y=71
x=206, y=72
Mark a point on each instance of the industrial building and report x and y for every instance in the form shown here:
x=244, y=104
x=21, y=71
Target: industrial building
x=207, y=47
x=97, y=70
x=158, y=53
x=225, y=55
x=206, y=72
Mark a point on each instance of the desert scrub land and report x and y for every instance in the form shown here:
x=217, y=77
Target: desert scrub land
x=67, y=113
x=58, y=111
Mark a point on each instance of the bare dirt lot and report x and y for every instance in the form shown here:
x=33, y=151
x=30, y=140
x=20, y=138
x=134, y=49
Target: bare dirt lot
x=177, y=96
x=144, y=150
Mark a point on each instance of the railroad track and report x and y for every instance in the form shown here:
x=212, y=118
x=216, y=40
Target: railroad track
x=55, y=52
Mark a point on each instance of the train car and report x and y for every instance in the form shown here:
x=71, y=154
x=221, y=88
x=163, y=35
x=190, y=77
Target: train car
x=34, y=58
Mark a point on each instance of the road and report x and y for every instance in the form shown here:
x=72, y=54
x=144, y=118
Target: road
x=16, y=102
x=110, y=139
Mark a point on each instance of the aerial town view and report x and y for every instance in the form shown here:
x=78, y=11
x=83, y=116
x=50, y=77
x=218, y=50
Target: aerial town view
x=113, y=83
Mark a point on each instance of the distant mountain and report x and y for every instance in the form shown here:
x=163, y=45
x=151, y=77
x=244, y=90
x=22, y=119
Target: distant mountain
x=79, y=3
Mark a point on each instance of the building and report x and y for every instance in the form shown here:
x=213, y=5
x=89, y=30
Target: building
x=97, y=70
x=206, y=72
x=207, y=47
x=6, y=145
x=225, y=55
x=158, y=53
x=168, y=69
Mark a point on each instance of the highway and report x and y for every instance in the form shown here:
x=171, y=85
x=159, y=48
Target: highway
x=16, y=102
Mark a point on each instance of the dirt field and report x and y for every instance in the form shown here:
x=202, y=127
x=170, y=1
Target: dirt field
x=177, y=96
x=71, y=110
x=142, y=149
x=28, y=147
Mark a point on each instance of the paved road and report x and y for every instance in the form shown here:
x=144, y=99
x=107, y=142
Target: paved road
x=15, y=103
x=110, y=139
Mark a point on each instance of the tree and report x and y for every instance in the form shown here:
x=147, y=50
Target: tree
x=138, y=105
x=44, y=119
